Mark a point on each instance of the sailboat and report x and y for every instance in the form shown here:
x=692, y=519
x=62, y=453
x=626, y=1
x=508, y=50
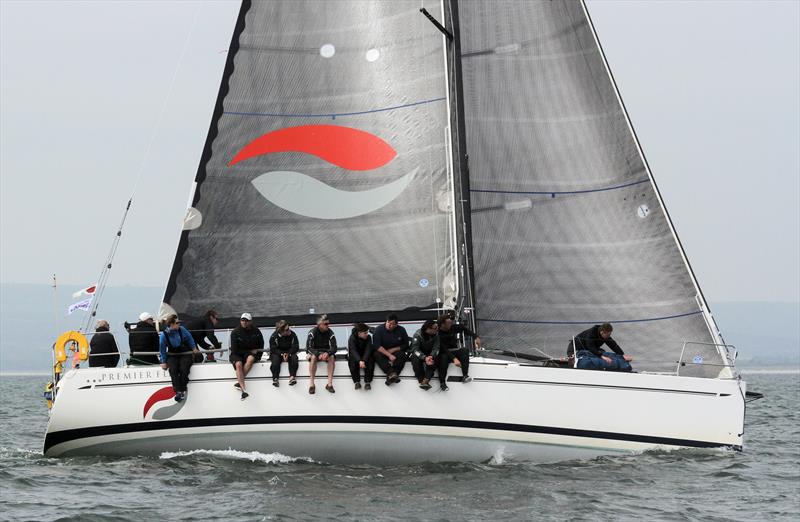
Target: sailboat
x=472, y=157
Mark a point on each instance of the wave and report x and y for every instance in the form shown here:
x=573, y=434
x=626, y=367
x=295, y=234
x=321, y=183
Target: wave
x=252, y=456
x=754, y=371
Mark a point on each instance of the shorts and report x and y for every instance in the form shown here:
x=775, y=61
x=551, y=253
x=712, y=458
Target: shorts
x=242, y=357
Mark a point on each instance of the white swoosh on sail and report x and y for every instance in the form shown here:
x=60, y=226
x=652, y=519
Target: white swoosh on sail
x=310, y=197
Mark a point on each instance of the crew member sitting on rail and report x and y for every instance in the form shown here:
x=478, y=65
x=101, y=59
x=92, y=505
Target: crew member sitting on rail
x=103, y=343
x=143, y=340
x=283, y=348
x=359, y=356
x=176, y=350
x=590, y=355
x=426, y=358
x=247, y=348
x=203, y=328
x=390, y=342
x=321, y=346
x=448, y=339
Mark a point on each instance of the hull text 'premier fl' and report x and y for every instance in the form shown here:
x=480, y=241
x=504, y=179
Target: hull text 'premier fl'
x=471, y=159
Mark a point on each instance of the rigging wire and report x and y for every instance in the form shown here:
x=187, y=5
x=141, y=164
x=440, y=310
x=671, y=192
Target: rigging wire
x=105, y=273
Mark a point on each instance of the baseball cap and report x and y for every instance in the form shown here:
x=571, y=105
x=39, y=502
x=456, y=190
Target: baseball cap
x=247, y=316
x=144, y=316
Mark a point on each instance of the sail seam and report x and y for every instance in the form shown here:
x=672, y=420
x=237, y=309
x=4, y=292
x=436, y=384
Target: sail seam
x=557, y=192
x=593, y=322
x=337, y=114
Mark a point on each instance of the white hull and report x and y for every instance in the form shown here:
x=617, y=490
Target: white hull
x=513, y=410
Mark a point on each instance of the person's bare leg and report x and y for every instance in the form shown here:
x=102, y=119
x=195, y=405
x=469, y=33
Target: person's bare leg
x=240, y=374
x=248, y=364
x=312, y=371
x=331, y=362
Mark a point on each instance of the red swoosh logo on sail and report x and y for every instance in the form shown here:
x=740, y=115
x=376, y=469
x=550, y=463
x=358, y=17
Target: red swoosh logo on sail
x=161, y=395
x=351, y=149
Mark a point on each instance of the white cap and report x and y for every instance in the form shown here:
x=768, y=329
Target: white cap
x=247, y=316
x=144, y=316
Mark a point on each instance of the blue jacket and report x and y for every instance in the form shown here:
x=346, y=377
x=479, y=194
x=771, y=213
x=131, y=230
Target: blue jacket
x=179, y=340
x=383, y=337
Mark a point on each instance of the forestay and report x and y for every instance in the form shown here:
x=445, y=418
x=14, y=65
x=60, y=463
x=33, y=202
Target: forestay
x=323, y=186
x=568, y=228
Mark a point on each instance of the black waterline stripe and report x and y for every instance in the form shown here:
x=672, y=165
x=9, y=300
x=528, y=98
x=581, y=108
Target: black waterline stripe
x=60, y=437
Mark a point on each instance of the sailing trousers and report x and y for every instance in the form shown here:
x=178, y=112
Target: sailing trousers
x=423, y=371
x=179, y=365
x=589, y=361
x=463, y=356
x=277, y=358
x=355, y=371
x=396, y=367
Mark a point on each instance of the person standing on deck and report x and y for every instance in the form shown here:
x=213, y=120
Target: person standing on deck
x=426, y=356
x=586, y=346
x=247, y=348
x=321, y=346
x=390, y=342
x=203, y=328
x=103, y=351
x=143, y=340
x=448, y=338
x=175, y=350
x=359, y=356
x=283, y=348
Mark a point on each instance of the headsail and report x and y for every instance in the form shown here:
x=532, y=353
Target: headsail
x=568, y=227
x=324, y=184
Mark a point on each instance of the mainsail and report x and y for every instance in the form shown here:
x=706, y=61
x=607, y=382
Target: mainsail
x=324, y=183
x=568, y=227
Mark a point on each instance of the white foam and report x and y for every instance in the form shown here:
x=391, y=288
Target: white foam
x=499, y=457
x=252, y=456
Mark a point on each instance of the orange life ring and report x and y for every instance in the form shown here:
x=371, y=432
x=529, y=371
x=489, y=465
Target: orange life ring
x=65, y=339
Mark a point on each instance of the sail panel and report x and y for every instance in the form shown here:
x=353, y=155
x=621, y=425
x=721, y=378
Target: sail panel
x=568, y=230
x=342, y=201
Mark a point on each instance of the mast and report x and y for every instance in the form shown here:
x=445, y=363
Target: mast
x=460, y=158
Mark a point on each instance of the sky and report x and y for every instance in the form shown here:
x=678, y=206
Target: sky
x=102, y=100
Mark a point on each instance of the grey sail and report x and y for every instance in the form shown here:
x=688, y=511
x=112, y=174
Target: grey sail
x=324, y=183
x=567, y=226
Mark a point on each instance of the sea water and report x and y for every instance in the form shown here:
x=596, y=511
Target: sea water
x=760, y=483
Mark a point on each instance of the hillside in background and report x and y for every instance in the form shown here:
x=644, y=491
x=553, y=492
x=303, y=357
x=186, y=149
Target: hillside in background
x=766, y=334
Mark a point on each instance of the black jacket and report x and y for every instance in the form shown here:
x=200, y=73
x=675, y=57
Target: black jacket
x=200, y=329
x=144, y=338
x=283, y=343
x=103, y=342
x=449, y=340
x=244, y=340
x=590, y=340
x=359, y=349
x=319, y=342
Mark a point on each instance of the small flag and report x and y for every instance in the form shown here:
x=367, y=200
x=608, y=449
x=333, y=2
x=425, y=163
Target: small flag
x=80, y=305
x=85, y=291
